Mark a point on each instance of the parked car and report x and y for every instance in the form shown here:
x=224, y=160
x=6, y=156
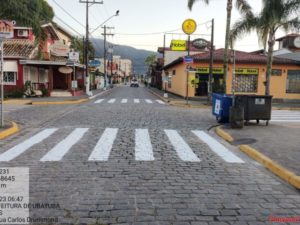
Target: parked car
x=134, y=83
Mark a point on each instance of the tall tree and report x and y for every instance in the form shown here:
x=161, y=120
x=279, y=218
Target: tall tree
x=274, y=15
x=77, y=45
x=150, y=59
x=244, y=8
x=31, y=13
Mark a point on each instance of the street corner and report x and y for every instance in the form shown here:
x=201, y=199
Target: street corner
x=166, y=100
x=271, y=165
x=224, y=134
x=11, y=129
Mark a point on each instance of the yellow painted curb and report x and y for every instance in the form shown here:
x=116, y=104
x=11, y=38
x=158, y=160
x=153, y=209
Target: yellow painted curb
x=10, y=131
x=61, y=103
x=17, y=102
x=285, y=108
x=277, y=169
x=223, y=134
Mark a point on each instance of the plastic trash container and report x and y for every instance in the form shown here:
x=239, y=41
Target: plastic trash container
x=256, y=107
x=221, y=106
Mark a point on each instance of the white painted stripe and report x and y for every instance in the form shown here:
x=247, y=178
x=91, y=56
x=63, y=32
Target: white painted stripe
x=285, y=120
x=136, y=100
x=124, y=100
x=286, y=116
x=181, y=147
x=148, y=101
x=59, y=150
x=102, y=149
x=143, y=147
x=160, y=102
x=98, y=101
x=217, y=147
x=112, y=100
x=22, y=147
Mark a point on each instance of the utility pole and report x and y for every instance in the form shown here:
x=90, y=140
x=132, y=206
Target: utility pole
x=87, y=2
x=210, y=78
x=104, y=57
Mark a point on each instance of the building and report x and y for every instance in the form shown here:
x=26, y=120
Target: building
x=250, y=70
x=44, y=66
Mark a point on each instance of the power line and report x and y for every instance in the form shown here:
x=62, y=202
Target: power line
x=68, y=25
x=68, y=13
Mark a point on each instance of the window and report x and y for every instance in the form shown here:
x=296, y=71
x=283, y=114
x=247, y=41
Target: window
x=246, y=83
x=9, y=78
x=43, y=75
x=293, y=81
x=174, y=72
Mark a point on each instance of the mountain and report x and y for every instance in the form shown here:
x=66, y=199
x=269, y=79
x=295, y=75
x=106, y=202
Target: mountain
x=137, y=56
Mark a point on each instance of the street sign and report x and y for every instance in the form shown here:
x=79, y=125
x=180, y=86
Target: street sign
x=6, y=29
x=188, y=59
x=74, y=56
x=178, y=45
x=189, y=26
x=94, y=63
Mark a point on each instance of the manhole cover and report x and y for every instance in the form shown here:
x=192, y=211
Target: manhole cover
x=244, y=141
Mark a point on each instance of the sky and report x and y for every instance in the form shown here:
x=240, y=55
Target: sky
x=143, y=23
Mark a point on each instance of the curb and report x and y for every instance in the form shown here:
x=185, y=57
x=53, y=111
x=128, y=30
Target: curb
x=274, y=167
x=96, y=95
x=285, y=108
x=157, y=95
x=61, y=103
x=17, y=102
x=10, y=131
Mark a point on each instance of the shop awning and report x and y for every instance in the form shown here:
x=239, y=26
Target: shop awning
x=49, y=63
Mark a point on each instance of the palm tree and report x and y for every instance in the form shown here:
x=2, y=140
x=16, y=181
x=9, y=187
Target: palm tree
x=245, y=9
x=274, y=15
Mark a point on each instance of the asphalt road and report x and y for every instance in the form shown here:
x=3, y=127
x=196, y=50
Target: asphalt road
x=127, y=158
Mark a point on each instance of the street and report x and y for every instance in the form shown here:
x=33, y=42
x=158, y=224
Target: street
x=126, y=157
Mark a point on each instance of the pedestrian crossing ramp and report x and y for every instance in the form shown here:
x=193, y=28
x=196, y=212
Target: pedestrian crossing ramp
x=129, y=101
x=101, y=151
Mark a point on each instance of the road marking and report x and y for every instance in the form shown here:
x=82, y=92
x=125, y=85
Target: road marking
x=124, y=100
x=143, y=147
x=102, y=149
x=181, y=147
x=99, y=101
x=22, y=147
x=58, y=152
x=148, y=101
x=136, y=100
x=112, y=100
x=160, y=102
x=217, y=147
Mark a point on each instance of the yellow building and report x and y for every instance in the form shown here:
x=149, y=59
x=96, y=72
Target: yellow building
x=250, y=70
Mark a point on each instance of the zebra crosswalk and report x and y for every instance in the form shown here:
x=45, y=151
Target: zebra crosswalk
x=143, y=149
x=285, y=116
x=125, y=100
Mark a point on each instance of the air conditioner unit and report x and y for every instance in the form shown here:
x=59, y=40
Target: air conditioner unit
x=22, y=33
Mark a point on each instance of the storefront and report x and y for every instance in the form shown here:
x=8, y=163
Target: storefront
x=248, y=78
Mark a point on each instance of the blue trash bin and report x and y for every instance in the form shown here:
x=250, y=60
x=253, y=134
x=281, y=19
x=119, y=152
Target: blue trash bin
x=221, y=106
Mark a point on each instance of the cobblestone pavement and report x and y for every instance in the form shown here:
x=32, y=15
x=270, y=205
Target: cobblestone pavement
x=157, y=172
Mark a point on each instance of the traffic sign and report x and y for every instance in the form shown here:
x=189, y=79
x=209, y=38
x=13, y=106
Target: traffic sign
x=188, y=59
x=74, y=56
x=94, y=63
x=189, y=26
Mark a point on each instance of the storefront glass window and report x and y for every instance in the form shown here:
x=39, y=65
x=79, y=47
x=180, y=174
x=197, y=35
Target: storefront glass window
x=293, y=81
x=246, y=83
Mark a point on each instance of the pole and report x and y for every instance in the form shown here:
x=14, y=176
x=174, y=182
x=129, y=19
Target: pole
x=233, y=80
x=2, y=87
x=111, y=64
x=211, y=63
x=87, y=88
x=104, y=57
x=187, y=72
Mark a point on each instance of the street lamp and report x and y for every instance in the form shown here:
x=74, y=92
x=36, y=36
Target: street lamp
x=116, y=14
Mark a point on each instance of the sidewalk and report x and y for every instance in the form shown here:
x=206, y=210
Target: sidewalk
x=197, y=102
x=275, y=146
x=54, y=100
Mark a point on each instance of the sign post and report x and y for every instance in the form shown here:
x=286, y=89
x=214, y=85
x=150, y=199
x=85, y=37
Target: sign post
x=189, y=26
x=6, y=32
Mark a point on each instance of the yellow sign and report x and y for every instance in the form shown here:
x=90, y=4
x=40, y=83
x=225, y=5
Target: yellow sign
x=192, y=80
x=205, y=70
x=189, y=26
x=178, y=45
x=246, y=71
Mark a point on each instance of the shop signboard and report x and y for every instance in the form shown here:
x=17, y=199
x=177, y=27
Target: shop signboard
x=59, y=49
x=246, y=71
x=178, y=45
x=7, y=29
x=205, y=70
x=200, y=43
